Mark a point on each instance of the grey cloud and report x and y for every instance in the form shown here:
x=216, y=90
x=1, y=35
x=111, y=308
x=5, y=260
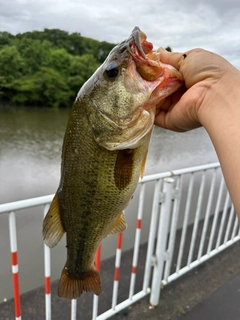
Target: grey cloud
x=180, y=24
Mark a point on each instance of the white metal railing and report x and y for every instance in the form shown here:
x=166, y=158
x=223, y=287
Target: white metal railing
x=191, y=203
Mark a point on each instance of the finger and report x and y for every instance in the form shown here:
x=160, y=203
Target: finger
x=162, y=120
x=164, y=104
x=172, y=58
x=180, y=115
x=169, y=102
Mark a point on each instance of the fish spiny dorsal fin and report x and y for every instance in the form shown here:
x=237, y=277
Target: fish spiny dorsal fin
x=52, y=225
x=120, y=225
x=143, y=165
x=73, y=287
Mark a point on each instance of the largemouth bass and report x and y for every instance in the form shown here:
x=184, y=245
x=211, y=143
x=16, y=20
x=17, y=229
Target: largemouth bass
x=104, y=153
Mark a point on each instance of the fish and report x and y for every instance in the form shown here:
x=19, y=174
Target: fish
x=104, y=154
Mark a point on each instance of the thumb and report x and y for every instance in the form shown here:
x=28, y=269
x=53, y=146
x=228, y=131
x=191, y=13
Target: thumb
x=172, y=58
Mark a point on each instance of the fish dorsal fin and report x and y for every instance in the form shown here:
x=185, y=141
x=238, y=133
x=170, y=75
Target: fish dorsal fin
x=143, y=165
x=52, y=225
x=120, y=225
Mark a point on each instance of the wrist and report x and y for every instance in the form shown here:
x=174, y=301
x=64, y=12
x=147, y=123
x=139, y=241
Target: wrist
x=220, y=115
x=221, y=102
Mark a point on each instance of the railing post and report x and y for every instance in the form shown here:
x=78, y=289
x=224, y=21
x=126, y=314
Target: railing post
x=152, y=235
x=137, y=241
x=163, y=229
x=74, y=309
x=13, y=245
x=47, y=274
x=95, y=297
x=117, y=269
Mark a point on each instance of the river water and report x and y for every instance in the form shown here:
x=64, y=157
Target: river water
x=30, y=156
x=30, y=151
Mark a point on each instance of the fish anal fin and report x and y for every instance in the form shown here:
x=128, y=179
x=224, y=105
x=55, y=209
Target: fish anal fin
x=143, y=165
x=72, y=287
x=52, y=225
x=120, y=225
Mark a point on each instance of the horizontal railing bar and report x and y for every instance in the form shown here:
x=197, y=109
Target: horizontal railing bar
x=32, y=202
x=196, y=168
x=155, y=176
x=23, y=204
x=204, y=258
x=177, y=172
x=126, y=303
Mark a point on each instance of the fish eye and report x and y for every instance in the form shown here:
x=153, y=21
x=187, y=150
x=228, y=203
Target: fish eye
x=112, y=70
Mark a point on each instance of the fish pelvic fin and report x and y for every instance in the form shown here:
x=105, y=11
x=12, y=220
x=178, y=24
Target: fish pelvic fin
x=120, y=225
x=52, y=225
x=72, y=287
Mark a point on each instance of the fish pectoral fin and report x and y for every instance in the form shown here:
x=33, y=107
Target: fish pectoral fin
x=72, y=287
x=52, y=225
x=120, y=225
x=143, y=165
x=123, y=169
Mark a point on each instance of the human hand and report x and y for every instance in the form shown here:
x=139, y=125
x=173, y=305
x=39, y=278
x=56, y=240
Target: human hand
x=202, y=72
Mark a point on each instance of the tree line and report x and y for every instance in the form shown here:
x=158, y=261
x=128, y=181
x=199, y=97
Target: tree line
x=47, y=68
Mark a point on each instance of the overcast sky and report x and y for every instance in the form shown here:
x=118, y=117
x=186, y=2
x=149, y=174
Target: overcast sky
x=180, y=24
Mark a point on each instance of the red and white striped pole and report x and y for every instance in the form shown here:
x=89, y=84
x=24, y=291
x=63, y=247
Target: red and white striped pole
x=14, y=255
x=95, y=297
x=47, y=273
x=117, y=269
x=137, y=241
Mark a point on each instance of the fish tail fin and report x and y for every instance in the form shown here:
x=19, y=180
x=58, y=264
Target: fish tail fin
x=52, y=225
x=72, y=287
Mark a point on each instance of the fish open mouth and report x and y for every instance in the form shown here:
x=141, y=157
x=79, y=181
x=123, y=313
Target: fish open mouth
x=147, y=61
x=141, y=46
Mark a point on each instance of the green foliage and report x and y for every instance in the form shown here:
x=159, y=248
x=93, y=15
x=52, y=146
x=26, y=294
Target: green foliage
x=45, y=87
x=35, y=53
x=5, y=38
x=60, y=59
x=81, y=68
x=12, y=63
x=47, y=68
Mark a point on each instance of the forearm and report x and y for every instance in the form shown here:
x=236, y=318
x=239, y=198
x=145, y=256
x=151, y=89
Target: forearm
x=220, y=115
x=211, y=99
